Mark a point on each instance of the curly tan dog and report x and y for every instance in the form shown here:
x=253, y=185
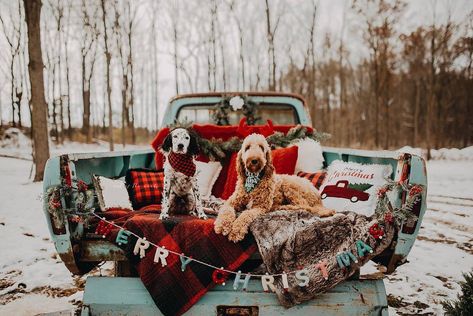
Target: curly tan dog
x=259, y=190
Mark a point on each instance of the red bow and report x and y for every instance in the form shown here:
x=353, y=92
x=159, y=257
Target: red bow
x=245, y=130
x=376, y=231
x=219, y=276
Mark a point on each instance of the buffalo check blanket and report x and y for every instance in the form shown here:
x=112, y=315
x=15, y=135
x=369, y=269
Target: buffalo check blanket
x=173, y=290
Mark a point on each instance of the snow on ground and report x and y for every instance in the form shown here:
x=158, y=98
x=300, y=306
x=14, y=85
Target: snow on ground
x=13, y=143
x=444, y=246
x=442, y=153
x=33, y=279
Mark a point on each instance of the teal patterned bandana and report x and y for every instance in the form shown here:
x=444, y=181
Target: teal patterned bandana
x=252, y=180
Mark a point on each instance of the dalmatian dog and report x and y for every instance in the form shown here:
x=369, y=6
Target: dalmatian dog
x=181, y=192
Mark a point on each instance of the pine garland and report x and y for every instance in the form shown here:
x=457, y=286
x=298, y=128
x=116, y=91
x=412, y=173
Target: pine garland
x=386, y=213
x=278, y=139
x=218, y=149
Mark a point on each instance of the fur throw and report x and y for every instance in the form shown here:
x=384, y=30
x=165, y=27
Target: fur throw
x=292, y=240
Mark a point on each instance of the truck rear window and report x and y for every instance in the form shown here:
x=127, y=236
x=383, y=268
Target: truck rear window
x=280, y=114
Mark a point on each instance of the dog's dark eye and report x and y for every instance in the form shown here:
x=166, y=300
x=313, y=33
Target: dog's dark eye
x=175, y=136
x=247, y=147
x=187, y=137
x=262, y=148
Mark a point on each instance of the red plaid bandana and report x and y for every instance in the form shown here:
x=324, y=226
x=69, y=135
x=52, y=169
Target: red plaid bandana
x=183, y=163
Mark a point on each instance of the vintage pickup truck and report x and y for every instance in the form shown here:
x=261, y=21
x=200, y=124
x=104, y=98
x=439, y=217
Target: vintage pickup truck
x=81, y=251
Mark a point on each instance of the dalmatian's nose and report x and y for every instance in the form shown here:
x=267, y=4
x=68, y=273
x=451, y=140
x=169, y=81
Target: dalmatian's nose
x=180, y=146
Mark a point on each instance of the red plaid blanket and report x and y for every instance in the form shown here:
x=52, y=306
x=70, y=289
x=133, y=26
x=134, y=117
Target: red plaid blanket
x=174, y=291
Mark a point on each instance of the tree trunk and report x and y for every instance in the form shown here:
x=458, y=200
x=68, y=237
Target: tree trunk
x=109, y=87
x=19, y=96
x=69, y=128
x=124, y=108
x=12, y=93
x=86, y=104
x=176, y=64
x=35, y=68
x=270, y=37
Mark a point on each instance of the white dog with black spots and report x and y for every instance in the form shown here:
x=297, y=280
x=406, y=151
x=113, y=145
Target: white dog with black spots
x=181, y=190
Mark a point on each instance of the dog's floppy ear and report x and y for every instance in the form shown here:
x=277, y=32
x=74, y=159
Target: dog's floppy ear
x=240, y=166
x=167, y=144
x=269, y=167
x=193, y=148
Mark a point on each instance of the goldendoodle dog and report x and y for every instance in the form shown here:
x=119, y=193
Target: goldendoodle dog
x=259, y=190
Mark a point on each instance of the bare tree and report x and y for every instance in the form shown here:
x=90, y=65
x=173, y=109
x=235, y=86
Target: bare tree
x=58, y=14
x=174, y=16
x=241, y=55
x=13, y=35
x=88, y=44
x=378, y=35
x=39, y=122
x=108, y=57
x=271, y=29
x=68, y=79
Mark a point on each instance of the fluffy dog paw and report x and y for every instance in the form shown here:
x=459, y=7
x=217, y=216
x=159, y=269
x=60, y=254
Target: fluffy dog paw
x=223, y=223
x=239, y=230
x=237, y=234
x=203, y=216
x=163, y=216
x=326, y=212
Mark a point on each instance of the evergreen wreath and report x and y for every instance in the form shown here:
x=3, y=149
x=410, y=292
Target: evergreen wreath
x=387, y=214
x=75, y=201
x=227, y=104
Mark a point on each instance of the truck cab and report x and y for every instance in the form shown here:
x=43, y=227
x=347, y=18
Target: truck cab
x=81, y=249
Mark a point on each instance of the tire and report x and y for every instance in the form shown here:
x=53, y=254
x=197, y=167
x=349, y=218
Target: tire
x=354, y=199
x=323, y=196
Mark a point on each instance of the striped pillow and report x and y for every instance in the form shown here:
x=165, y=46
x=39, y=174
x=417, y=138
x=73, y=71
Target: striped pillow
x=317, y=178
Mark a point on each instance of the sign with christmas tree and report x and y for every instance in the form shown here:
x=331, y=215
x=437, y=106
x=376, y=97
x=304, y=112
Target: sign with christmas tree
x=352, y=186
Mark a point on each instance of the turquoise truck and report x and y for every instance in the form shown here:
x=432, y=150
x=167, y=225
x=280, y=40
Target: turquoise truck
x=124, y=294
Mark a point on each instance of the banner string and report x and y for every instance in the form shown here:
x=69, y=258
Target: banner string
x=187, y=257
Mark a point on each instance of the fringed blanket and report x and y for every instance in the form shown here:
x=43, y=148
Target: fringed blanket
x=175, y=291
x=290, y=241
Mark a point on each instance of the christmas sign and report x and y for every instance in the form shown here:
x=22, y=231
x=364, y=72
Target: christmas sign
x=352, y=186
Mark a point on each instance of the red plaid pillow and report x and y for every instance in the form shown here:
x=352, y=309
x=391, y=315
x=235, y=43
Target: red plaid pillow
x=145, y=187
x=317, y=178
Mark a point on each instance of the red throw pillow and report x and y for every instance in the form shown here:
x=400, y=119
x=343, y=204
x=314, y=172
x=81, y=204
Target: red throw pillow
x=144, y=186
x=317, y=178
x=284, y=161
x=231, y=178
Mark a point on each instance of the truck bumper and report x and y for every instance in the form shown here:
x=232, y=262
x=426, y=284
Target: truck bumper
x=128, y=296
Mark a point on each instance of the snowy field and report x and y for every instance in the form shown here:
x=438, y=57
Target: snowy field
x=33, y=280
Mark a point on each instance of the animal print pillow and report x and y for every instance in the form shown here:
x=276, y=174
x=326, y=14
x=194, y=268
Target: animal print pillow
x=145, y=187
x=351, y=186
